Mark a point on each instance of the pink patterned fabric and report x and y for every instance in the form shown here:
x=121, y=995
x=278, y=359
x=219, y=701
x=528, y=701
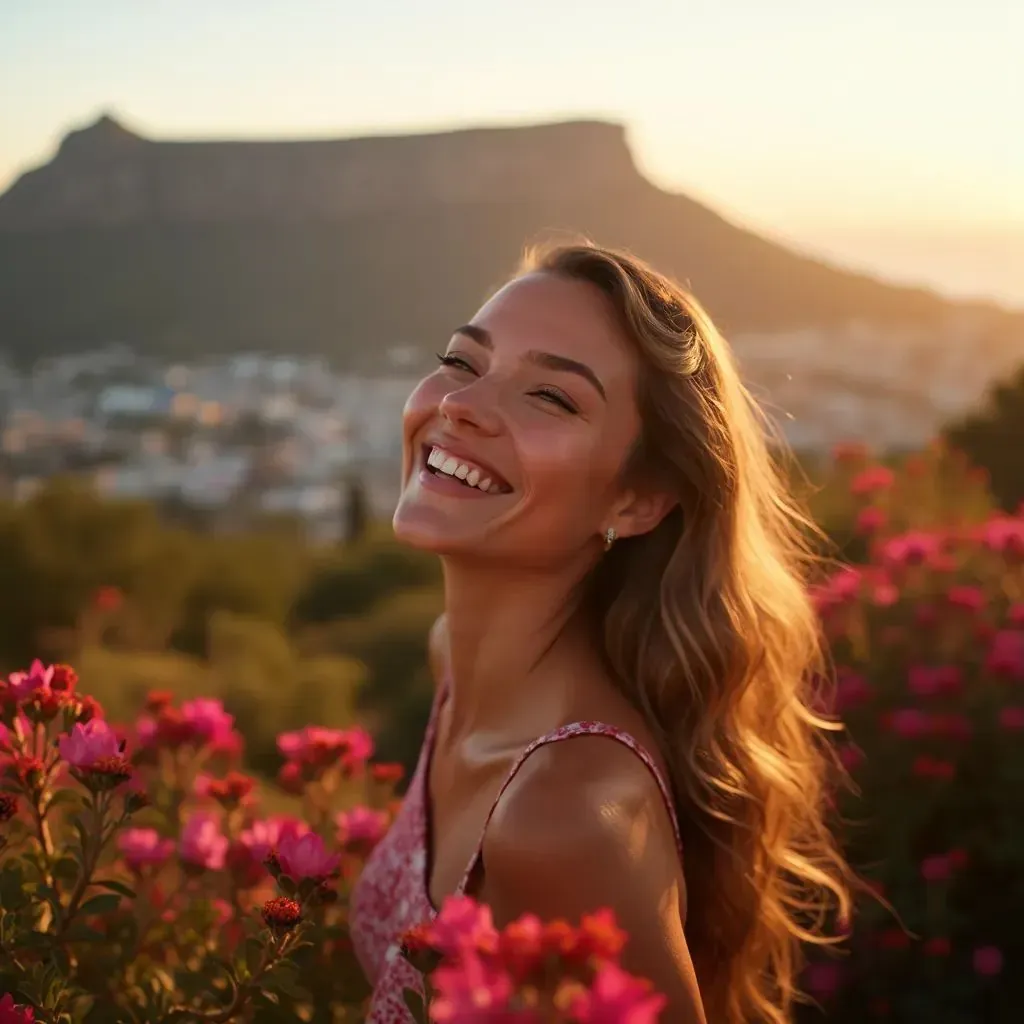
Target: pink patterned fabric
x=392, y=893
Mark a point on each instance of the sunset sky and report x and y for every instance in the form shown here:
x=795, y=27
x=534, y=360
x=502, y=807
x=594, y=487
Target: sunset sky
x=885, y=134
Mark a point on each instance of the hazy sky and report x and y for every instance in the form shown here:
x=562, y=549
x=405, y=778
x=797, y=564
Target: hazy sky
x=885, y=132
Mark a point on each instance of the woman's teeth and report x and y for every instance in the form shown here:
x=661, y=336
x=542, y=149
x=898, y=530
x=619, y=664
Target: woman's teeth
x=441, y=462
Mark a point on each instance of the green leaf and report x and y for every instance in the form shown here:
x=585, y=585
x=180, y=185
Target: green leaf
x=67, y=869
x=253, y=953
x=105, y=903
x=116, y=886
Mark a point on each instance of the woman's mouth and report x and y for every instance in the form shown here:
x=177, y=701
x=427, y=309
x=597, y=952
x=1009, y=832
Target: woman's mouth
x=441, y=463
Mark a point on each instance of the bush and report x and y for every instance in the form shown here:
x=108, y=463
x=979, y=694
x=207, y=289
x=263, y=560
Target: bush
x=140, y=882
x=928, y=641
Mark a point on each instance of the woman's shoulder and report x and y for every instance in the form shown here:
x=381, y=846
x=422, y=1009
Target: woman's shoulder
x=568, y=796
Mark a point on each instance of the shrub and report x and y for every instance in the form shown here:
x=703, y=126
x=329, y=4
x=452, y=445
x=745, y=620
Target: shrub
x=928, y=641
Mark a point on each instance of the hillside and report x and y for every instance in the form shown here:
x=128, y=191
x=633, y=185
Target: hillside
x=342, y=247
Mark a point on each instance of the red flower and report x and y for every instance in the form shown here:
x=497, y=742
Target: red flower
x=281, y=914
x=872, y=480
x=15, y=1013
x=107, y=599
x=938, y=946
x=64, y=679
x=1006, y=655
x=616, y=996
x=387, y=772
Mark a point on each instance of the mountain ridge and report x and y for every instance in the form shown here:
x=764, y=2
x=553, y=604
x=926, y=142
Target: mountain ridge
x=325, y=246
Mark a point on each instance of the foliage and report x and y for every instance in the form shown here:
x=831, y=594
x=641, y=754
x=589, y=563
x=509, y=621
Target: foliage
x=928, y=641
x=140, y=882
x=993, y=438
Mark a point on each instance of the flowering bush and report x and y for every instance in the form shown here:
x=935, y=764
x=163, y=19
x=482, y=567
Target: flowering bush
x=530, y=972
x=928, y=641
x=141, y=881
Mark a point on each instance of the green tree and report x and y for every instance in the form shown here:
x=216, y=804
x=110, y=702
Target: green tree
x=993, y=438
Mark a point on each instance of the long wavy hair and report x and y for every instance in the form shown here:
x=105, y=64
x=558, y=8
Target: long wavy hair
x=723, y=654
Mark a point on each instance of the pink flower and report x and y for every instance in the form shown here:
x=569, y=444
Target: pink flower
x=914, y=548
x=318, y=747
x=872, y=480
x=1006, y=655
x=471, y=991
x=462, y=924
x=933, y=681
x=841, y=588
x=936, y=869
x=361, y=825
x=1005, y=535
x=617, y=998
x=1015, y=616
x=1011, y=719
x=971, y=599
x=909, y=723
x=988, y=961
x=144, y=847
x=24, y=684
x=202, y=844
x=885, y=594
x=206, y=720
x=262, y=836
x=823, y=980
x=870, y=520
x=15, y=1013
x=306, y=857
x=88, y=744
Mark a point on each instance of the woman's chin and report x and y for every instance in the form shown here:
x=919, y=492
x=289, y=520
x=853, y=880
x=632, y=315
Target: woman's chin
x=428, y=530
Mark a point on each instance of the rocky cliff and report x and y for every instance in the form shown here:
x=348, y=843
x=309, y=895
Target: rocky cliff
x=345, y=247
x=105, y=176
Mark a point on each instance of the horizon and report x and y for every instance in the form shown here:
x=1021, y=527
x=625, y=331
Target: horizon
x=889, y=165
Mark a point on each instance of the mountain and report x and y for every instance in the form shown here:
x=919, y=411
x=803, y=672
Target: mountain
x=346, y=247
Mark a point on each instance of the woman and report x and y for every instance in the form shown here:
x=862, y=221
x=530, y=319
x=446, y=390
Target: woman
x=624, y=570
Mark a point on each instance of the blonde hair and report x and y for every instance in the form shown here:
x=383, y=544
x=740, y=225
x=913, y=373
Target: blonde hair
x=722, y=656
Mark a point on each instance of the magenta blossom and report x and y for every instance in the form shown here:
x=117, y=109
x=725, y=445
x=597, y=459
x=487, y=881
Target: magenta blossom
x=202, y=843
x=934, y=681
x=361, y=825
x=24, y=684
x=913, y=548
x=89, y=744
x=463, y=924
x=306, y=857
x=318, y=746
x=15, y=1013
x=263, y=836
x=617, y=998
x=144, y=847
x=1006, y=655
x=473, y=990
x=206, y=720
x=1005, y=535
x=872, y=480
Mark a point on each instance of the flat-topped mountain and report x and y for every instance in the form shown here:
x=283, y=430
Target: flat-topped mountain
x=345, y=247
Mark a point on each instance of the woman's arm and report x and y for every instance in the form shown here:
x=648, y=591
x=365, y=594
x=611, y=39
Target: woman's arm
x=583, y=826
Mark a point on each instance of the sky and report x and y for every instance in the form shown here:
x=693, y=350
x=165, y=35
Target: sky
x=885, y=135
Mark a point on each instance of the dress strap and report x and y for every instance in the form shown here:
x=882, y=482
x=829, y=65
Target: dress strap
x=567, y=732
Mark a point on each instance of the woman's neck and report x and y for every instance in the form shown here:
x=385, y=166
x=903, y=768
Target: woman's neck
x=504, y=629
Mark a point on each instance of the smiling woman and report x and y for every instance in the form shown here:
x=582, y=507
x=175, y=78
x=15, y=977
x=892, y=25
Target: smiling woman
x=623, y=715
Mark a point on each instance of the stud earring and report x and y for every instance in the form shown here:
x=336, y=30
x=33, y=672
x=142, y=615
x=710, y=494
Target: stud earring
x=609, y=538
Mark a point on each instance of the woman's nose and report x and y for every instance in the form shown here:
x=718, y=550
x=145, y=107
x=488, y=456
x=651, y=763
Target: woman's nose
x=473, y=406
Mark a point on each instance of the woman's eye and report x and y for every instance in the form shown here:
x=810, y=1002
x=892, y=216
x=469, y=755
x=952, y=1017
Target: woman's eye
x=556, y=398
x=447, y=359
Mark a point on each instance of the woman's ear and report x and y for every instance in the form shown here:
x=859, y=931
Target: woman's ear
x=641, y=511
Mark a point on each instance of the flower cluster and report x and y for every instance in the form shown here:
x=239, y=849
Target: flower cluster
x=927, y=636
x=530, y=971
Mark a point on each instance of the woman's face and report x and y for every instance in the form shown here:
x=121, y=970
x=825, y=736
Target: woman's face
x=513, y=447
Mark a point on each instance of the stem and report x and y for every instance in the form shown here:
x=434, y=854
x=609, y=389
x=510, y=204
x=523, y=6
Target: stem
x=271, y=955
x=90, y=857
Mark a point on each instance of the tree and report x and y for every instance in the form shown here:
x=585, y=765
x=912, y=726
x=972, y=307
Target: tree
x=993, y=438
